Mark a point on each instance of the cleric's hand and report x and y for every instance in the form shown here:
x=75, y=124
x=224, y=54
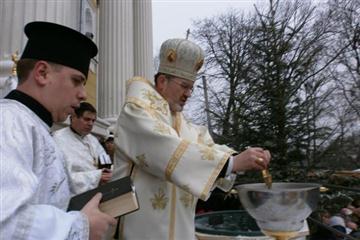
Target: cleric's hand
x=253, y=158
x=99, y=222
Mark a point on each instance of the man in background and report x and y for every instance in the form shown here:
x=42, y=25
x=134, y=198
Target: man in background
x=34, y=191
x=109, y=145
x=172, y=161
x=83, y=152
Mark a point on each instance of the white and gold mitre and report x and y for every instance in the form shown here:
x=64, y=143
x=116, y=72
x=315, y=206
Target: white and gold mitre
x=181, y=58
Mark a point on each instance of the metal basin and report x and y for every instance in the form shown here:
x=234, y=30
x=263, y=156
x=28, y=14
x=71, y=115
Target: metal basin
x=283, y=208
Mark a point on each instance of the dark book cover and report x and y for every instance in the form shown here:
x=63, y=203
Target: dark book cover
x=118, y=198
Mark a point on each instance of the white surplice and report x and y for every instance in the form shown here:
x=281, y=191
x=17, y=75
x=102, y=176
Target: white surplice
x=34, y=189
x=172, y=163
x=81, y=156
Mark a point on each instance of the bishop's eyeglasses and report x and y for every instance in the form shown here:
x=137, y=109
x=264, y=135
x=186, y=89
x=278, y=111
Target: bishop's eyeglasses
x=185, y=86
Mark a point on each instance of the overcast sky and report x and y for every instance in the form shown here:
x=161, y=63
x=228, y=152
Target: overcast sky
x=171, y=18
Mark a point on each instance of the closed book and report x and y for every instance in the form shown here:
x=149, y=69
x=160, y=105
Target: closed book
x=118, y=198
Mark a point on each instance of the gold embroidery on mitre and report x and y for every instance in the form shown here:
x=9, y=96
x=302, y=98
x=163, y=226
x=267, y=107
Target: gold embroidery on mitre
x=159, y=201
x=142, y=161
x=186, y=198
x=161, y=128
x=199, y=64
x=207, y=153
x=171, y=55
x=156, y=102
x=175, y=158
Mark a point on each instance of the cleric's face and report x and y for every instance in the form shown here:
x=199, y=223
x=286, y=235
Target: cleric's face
x=64, y=89
x=176, y=91
x=84, y=123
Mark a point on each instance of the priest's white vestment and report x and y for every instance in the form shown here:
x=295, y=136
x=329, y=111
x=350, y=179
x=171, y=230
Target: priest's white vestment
x=171, y=161
x=81, y=157
x=34, y=191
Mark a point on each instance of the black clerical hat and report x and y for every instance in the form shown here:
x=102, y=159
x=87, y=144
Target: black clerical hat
x=59, y=44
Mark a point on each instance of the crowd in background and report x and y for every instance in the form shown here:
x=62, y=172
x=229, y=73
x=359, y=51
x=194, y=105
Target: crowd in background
x=346, y=221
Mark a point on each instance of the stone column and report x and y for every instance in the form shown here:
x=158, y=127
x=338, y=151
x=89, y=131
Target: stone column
x=116, y=57
x=14, y=14
x=143, y=39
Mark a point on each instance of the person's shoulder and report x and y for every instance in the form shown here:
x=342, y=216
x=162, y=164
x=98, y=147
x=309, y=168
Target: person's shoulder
x=14, y=111
x=191, y=124
x=136, y=86
x=138, y=79
x=92, y=138
x=142, y=93
x=11, y=105
x=61, y=130
x=61, y=133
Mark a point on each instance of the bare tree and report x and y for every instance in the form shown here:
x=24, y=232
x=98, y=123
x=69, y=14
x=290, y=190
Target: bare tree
x=346, y=70
x=345, y=73
x=227, y=40
x=266, y=85
x=288, y=54
x=272, y=77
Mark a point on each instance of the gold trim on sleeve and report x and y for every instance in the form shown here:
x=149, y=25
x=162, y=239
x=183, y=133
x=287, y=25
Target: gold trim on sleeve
x=213, y=176
x=175, y=158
